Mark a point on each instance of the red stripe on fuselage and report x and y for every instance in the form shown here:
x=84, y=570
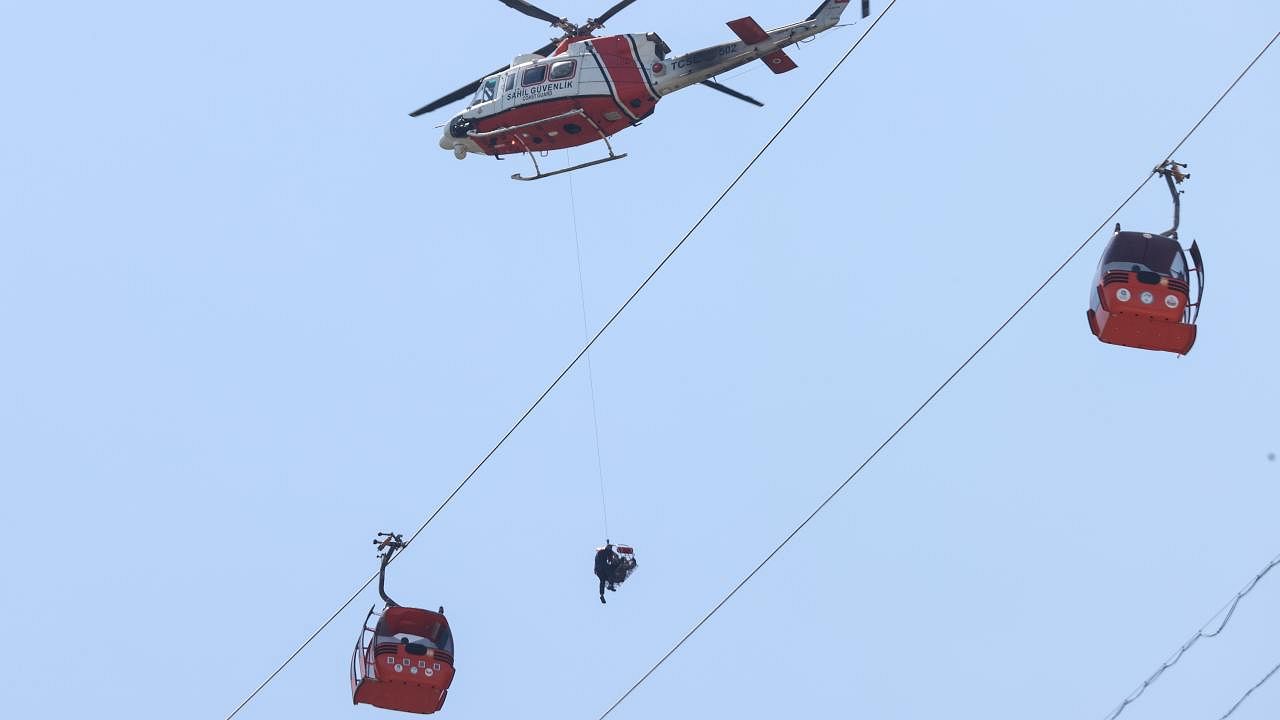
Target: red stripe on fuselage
x=623, y=68
x=550, y=135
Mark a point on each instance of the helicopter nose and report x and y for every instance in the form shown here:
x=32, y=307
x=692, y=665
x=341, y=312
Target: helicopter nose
x=459, y=147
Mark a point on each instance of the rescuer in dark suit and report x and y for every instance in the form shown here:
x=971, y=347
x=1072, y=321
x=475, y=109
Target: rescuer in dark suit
x=606, y=561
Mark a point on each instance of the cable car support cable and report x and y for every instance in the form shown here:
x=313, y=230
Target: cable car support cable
x=576, y=358
x=947, y=382
x=1249, y=692
x=1226, y=613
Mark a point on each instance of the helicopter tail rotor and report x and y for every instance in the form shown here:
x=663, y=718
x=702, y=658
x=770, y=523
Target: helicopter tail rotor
x=732, y=93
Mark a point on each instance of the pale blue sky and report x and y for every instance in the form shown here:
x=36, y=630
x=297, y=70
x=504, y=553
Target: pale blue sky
x=252, y=315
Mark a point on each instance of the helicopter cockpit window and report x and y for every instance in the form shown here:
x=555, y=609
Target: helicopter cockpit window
x=563, y=69
x=486, y=92
x=534, y=75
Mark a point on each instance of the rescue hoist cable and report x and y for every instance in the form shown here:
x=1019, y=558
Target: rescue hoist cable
x=949, y=378
x=574, y=361
x=586, y=335
x=608, y=323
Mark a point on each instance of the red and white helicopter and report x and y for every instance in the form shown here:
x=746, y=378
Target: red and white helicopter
x=580, y=88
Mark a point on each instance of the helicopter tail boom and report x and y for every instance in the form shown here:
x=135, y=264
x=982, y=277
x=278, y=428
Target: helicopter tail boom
x=752, y=34
x=829, y=11
x=753, y=43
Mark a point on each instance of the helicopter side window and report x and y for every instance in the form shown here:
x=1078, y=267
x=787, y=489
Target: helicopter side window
x=534, y=75
x=563, y=69
x=488, y=89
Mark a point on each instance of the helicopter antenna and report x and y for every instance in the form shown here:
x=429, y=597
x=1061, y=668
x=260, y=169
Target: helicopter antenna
x=1173, y=176
x=388, y=544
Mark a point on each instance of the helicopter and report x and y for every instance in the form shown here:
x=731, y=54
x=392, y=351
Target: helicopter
x=580, y=88
x=1142, y=292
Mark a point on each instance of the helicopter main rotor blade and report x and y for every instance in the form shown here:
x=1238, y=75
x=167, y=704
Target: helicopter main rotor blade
x=545, y=50
x=534, y=11
x=597, y=23
x=470, y=88
x=454, y=96
x=732, y=93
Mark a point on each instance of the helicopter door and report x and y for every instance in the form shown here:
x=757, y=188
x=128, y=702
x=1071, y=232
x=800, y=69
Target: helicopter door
x=508, y=84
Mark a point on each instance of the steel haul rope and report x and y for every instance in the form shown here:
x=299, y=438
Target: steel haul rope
x=945, y=382
x=1227, y=612
x=576, y=358
x=1249, y=692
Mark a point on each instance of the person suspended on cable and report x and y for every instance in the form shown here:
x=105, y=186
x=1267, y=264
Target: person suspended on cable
x=606, y=560
x=623, y=566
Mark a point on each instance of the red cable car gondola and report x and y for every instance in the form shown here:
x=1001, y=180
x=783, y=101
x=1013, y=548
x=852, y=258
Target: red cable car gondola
x=1142, y=290
x=405, y=661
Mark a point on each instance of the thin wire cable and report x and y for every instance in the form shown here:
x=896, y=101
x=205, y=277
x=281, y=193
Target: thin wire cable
x=586, y=335
x=573, y=362
x=1196, y=638
x=304, y=645
x=1226, y=613
x=941, y=387
x=1260, y=683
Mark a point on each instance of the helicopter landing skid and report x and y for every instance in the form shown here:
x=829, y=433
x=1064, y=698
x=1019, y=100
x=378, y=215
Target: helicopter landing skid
x=538, y=174
x=541, y=174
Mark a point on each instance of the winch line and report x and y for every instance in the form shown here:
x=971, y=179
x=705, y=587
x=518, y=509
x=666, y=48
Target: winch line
x=586, y=335
x=572, y=363
x=944, y=384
